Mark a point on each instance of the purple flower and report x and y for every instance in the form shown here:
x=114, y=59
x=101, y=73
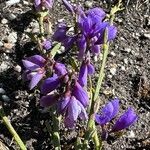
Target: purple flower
x=85, y=69
x=73, y=109
x=50, y=84
x=68, y=6
x=46, y=3
x=60, y=69
x=80, y=94
x=47, y=44
x=60, y=35
x=34, y=69
x=92, y=29
x=48, y=100
x=127, y=119
x=108, y=112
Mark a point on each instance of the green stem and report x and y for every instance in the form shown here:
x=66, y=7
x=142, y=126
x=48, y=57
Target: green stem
x=12, y=130
x=55, y=132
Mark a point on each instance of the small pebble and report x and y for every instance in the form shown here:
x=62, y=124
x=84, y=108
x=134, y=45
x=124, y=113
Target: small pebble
x=125, y=61
x=112, y=53
x=5, y=98
x=147, y=35
x=1, y=44
x=17, y=68
x=11, y=16
x=131, y=134
x=4, y=21
x=3, y=66
x=88, y=4
x=123, y=68
x=113, y=71
x=2, y=91
x=128, y=50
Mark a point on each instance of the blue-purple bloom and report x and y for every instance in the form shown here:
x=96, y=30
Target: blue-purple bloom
x=68, y=6
x=72, y=109
x=85, y=69
x=43, y=3
x=80, y=94
x=34, y=69
x=125, y=120
x=109, y=112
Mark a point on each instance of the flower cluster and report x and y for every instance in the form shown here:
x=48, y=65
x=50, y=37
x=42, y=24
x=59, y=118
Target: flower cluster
x=109, y=112
x=38, y=4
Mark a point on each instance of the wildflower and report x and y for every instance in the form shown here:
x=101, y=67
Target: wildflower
x=127, y=119
x=43, y=3
x=109, y=112
x=80, y=94
x=72, y=108
x=92, y=30
x=34, y=69
x=60, y=35
x=50, y=84
x=85, y=69
x=48, y=100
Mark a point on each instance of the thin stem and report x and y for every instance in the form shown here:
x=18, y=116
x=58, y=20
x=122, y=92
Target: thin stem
x=55, y=132
x=12, y=130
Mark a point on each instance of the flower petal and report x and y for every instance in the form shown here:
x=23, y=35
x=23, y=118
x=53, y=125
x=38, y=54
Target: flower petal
x=60, y=69
x=97, y=14
x=108, y=112
x=47, y=44
x=50, y=84
x=48, y=4
x=90, y=69
x=30, y=66
x=35, y=79
x=37, y=59
x=127, y=119
x=81, y=42
x=48, y=100
x=68, y=6
x=80, y=94
x=83, y=75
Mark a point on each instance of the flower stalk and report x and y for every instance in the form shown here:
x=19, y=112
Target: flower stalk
x=12, y=130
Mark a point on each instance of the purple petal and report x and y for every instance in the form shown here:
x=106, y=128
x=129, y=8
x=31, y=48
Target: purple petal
x=68, y=42
x=80, y=94
x=112, y=31
x=83, y=115
x=35, y=80
x=48, y=4
x=90, y=69
x=63, y=103
x=97, y=14
x=37, y=3
x=37, y=59
x=95, y=49
x=47, y=44
x=50, y=84
x=60, y=33
x=30, y=66
x=127, y=119
x=73, y=112
x=108, y=112
x=48, y=100
x=68, y=6
x=83, y=75
x=81, y=42
x=60, y=69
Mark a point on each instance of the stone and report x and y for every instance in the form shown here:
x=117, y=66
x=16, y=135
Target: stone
x=113, y=71
x=2, y=91
x=17, y=68
x=131, y=134
x=4, y=21
x=88, y=4
x=12, y=38
x=147, y=35
x=3, y=66
x=5, y=98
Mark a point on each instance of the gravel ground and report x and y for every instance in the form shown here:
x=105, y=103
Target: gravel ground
x=127, y=75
